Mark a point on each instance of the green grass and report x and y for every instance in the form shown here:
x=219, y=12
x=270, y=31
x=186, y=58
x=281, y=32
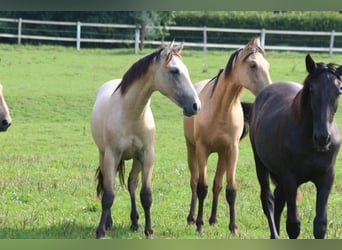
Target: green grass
x=48, y=159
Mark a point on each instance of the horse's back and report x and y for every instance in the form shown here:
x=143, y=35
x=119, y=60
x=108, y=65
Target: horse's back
x=277, y=94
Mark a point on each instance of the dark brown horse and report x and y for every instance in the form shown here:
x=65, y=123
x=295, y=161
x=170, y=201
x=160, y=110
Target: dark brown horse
x=295, y=140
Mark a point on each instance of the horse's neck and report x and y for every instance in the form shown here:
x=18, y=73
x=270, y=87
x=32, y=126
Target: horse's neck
x=227, y=92
x=137, y=98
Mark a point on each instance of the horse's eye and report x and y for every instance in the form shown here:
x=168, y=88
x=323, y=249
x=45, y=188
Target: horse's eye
x=253, y=65
x=174, y=70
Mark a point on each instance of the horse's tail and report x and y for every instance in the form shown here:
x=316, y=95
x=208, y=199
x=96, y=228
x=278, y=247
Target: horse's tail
x=99, y=177
x=99, y=188
x=121, y=170
x=247, y=111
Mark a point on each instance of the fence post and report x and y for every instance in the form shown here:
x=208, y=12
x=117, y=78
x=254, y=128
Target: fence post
x=19, y=30
x=262, y=38
x=332, y=38
x=136, y=39
x=205, y=38
x=78, y=35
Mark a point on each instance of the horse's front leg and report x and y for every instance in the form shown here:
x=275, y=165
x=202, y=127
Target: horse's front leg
x=146, y=191
x=191, y=153
x=292, y=221
x=202, y=185
x=279, y=204
x=108, y=176
x=323, y=190
x=132, y=186
x=231, y=163
x=266, y=196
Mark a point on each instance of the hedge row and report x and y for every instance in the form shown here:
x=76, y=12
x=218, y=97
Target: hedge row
x=302, y=21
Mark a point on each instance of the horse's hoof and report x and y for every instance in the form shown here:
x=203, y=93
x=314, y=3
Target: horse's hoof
x=149, y=233
x=233, y=229
x=191, y=220
x=199, y=229
x=100, y=234
x=134, y=227
x=212, y=221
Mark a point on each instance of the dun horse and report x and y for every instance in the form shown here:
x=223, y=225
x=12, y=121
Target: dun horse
x=219, y=126
x=295, y=140
x=123, y=127
x=5, y=118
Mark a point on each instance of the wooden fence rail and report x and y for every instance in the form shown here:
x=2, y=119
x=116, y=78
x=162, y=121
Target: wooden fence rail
x=204, y=32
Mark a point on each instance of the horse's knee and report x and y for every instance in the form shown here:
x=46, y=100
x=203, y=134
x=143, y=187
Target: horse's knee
x=202, y=191
x=293, y=229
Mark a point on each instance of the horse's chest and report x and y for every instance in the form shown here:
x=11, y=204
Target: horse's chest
x=131, y=146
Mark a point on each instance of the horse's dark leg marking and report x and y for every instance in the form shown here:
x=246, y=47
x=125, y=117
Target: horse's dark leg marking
x=230, y=197
x=146, y=201
x=106, y=220
x=202, y=191
x=216, y=192
x=279, y=204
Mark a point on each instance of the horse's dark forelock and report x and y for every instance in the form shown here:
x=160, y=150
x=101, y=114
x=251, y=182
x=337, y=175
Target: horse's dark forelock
x=302, y=98
x=137, y=70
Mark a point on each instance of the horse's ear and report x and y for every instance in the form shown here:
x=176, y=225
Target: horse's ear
x=167, y=49
x=339, y=70
x=179, y=47
x=255, y=41
x=310, y=64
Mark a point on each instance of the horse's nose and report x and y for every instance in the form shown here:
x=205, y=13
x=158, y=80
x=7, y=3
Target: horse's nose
x=322, y=140
x=5, y=123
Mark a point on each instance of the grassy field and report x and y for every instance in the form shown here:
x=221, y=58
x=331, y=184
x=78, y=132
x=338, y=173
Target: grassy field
x=48, y=159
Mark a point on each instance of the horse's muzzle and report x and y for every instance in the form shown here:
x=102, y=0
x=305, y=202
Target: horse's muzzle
x=192, y=109
x=321, y=143
x=5, y=124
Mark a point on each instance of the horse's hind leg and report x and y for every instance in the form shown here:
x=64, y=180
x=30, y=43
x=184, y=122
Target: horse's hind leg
x=146, y=192
x=202, y=185
x=191, y=151
x=132, y=186
x=266, y=196
x=107, y=164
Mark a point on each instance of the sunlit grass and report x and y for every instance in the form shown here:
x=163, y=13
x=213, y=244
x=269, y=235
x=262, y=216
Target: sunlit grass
x=48, y=159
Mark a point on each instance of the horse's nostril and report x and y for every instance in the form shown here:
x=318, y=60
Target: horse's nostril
x=5, y=123
x=195, y=107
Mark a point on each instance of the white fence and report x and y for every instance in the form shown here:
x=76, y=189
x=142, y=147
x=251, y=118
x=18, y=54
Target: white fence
x=17, y=32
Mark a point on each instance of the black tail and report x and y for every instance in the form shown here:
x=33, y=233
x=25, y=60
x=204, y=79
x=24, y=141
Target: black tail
x=99, y=188
x=99, y=177
x=247, y=111
x=121, y=170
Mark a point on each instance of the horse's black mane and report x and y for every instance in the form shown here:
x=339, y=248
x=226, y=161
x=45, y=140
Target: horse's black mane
x=227, y=70
x=229, y=66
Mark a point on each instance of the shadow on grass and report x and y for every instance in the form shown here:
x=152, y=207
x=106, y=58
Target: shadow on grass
x=69, y=232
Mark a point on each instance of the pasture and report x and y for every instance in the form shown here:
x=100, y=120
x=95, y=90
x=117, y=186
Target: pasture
x=48, y=159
